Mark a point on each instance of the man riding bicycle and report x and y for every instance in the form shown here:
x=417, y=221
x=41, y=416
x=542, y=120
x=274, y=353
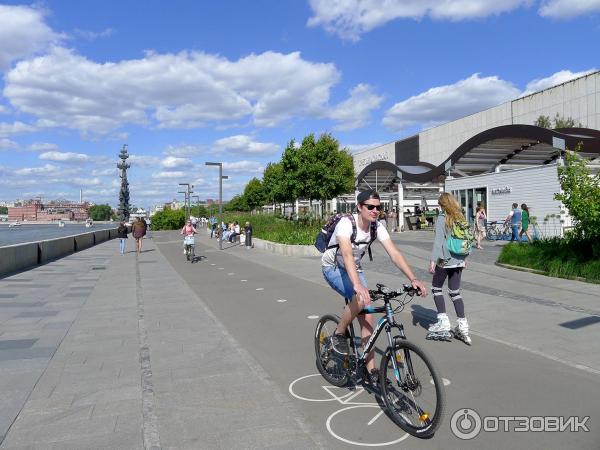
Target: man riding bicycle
x=342, y=270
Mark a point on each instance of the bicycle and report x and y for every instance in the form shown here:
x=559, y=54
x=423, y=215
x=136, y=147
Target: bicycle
x=188, y=248
x=497, y=230
x=406, y=373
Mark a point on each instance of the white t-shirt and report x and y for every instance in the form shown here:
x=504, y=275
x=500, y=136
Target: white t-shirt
x=333, y=257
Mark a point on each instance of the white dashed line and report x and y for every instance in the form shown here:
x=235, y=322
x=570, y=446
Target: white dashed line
x=231, y=273
x=281, y=300
x=312, y=317
x=212, y=264
x=260, y=289
x=220, y=268
x=243, y=281
x=446, y=381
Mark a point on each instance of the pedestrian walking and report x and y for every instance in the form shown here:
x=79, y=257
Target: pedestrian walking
x=138, y=229
x=514, y=217
x=248, y=233
x=480, y=223
x=122, y=236
x=525, y=223
x=445, y=265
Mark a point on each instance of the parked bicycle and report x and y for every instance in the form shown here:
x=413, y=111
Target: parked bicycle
x=411, y=387
x=189, y=247
x=497, y=231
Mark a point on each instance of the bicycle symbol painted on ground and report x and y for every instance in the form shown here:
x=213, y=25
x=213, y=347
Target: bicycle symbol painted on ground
x=358, y=407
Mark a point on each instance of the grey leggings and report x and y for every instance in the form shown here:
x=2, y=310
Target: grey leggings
x=437, y=283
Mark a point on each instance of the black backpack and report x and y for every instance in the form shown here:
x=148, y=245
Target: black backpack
x=324, y=236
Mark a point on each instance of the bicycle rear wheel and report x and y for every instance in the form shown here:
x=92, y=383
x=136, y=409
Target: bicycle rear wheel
x=332, y=366
x=416, y=404
x=490, y=234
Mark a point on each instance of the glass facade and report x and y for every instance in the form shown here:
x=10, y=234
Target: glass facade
x=469, y=199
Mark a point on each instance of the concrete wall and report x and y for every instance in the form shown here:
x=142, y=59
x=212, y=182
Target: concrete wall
x=22, y=256
x=18, y=257
x=83, y=241
x=55, y=248
x=284, y=249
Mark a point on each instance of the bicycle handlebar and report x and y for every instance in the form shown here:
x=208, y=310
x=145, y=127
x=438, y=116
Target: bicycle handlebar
x=393, y=293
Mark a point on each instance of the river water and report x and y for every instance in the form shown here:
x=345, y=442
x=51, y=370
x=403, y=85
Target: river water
x=37, y=232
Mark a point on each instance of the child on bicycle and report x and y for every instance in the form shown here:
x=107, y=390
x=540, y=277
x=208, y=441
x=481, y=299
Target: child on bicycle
x=448, y=265
x=342, y=270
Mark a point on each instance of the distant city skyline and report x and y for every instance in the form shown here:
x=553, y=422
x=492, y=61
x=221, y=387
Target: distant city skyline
x=234, y=81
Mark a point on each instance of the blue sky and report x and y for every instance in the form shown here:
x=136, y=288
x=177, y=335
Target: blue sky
x=184, y=82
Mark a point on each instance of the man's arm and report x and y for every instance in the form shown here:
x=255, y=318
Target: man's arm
x=510, y=214
x=400, y=262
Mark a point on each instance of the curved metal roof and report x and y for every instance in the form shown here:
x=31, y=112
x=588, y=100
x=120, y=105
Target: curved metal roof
x=514, y=145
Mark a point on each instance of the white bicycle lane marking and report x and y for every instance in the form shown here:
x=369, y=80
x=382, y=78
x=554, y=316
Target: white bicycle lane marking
x=347, y=401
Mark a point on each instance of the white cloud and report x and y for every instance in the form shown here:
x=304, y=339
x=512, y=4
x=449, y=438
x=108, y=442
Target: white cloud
x=355, y=111
x=42, y=147
x=241, y=144
x=251, y=167
x=81, y=181
x=144, y=161
x=567, y=9
x=554, y=79
x=172, y=162
x=3, y=109
x=8, y=129
x=46, y=169
x=184, y=150
x=91, y=35
x=184, y=90
x=351, y=18
x=7, y=144
x=445, y=103
x=169, y=174
x=67, y=157
x=22, y=33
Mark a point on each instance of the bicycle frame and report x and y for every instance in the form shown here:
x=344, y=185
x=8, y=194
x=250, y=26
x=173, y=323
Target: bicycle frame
x=388, y=322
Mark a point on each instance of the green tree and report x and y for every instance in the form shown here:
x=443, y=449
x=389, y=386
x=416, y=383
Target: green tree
x=325, y=170
x=273, y=183
x=168, y=219
x=199, y=211
x=3, y=210
x=237, y=203
x=543, y=121
x=562, y=122
x=254, y=194
x=100, y=212
x=291, y=183
x=581, y=195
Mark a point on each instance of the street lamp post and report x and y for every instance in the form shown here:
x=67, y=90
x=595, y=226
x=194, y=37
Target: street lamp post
x=221, y=178
x=187, y=193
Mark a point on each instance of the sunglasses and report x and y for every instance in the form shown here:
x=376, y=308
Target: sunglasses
x=371, y=207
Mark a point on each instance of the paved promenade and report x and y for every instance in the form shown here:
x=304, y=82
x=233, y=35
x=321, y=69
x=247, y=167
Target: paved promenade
x=106, y=351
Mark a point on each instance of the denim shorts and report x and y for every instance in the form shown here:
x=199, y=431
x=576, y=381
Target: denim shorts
x=340, y=281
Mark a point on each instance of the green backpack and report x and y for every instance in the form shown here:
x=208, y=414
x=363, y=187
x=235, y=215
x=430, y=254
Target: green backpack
x=460, y=239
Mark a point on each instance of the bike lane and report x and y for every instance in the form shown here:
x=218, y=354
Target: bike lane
x=273, y=315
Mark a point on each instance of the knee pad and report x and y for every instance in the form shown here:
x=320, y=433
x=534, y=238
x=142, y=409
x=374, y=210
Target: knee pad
x=436, y=291
x=454, y=294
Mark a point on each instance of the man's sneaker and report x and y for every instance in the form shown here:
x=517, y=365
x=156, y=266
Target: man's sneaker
x=339, y=343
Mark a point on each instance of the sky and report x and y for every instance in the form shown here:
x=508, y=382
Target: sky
x=234, y=81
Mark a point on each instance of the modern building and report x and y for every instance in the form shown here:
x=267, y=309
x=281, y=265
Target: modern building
x=34, y=210
x=472, y=156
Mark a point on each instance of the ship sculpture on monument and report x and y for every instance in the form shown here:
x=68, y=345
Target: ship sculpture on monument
x=124, y=192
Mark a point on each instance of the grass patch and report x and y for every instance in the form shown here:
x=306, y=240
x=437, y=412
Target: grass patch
x=277, y=229
x=560, y=258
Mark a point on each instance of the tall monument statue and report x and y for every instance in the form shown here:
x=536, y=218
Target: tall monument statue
x=124, y=192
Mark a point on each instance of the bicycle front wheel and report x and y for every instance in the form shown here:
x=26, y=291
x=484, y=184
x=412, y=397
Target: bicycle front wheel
x=332, y=366
x=415, y=402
